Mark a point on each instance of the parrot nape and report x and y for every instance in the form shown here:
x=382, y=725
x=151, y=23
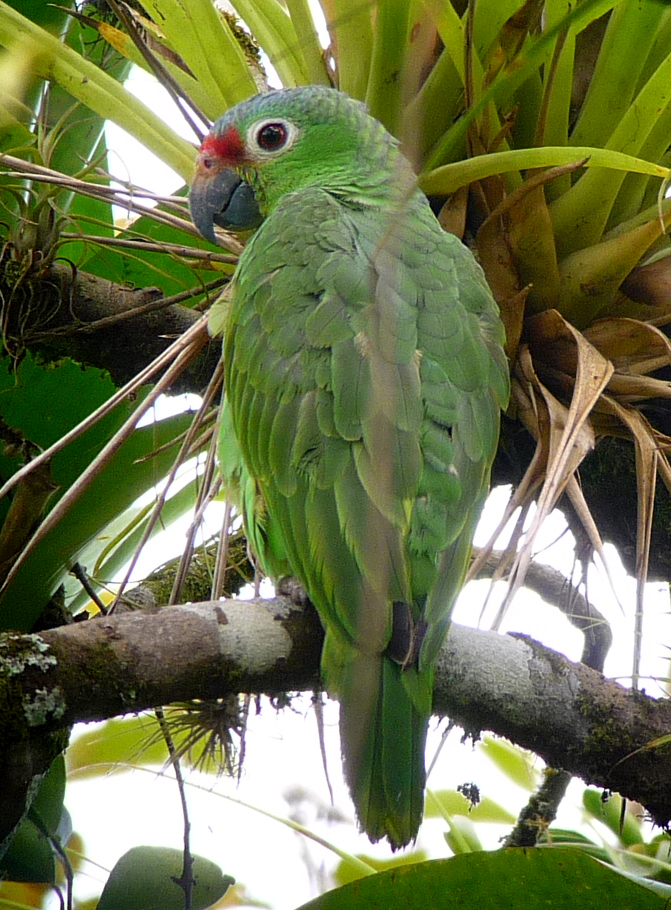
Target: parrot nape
x=364, y=377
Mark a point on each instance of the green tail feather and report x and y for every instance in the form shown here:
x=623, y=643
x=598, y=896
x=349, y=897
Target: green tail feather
x=382, y=738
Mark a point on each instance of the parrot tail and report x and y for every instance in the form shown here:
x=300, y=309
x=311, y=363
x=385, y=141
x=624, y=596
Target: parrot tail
x=383, y=735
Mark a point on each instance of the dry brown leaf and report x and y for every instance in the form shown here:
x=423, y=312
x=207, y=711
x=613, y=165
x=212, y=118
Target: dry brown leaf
x=633, y=346
x=647, y=456
x=452, y=216
x=523, y=494
x=571, y=435
x=650, y=284
x=581, y=509
x=638, y=388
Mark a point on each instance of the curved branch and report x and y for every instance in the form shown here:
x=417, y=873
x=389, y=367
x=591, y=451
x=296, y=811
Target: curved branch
x=569, y=714
x=555, y=588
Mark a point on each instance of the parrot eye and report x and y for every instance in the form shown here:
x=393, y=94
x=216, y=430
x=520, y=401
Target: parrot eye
x=272, y=136
x=266, y=139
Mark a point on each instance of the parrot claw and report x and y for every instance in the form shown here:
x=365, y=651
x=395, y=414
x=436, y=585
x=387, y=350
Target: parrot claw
x=292, y=588
x=406, y=636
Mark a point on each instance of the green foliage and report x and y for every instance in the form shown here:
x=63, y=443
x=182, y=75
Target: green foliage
x=30, y=856
x=514, y=879
x=450, y=802
x=147, y=878
x=73, y=393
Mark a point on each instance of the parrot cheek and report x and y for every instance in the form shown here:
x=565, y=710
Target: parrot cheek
x=223, y=199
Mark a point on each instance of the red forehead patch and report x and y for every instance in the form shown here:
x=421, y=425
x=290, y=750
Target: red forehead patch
x=228, y=147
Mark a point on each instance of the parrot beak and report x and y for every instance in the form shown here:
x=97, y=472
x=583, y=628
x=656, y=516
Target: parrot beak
x=224, y=199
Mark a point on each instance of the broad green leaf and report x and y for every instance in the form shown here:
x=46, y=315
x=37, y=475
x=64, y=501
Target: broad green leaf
x=349, y=24
x=461, y=836
x=451, y=30
x=70, y=391
x=455, y=803
x=445, y=180
x=589, y=279
x=609, y=811
x=636, y=188
x=517, y=764
x=145, y=879
x=198, y=33
x=385, y=80
x=564, y=837
x=534, y=54
x=89, y=84
x=580, y=215
x=43, y=571
x=192, y=89
x=138, y=267
x=489, y=22
x=76, y=132
x=71, y=394
x=308, y=41
x=48, y=803
x=111, y=550
x=120, y=740
x=512, y=879
x=272, y=27
x=435, y=107
x=29, y=856
x=346, y=872
x=558, y=114
x=614, y=81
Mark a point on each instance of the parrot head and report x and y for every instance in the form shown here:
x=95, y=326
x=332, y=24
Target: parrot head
x=280, y=142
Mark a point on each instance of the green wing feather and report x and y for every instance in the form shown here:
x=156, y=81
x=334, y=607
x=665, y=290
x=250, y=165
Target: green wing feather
x=364, y=374
x=262, y=534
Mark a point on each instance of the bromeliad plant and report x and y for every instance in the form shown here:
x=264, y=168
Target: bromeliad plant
x=540, y=138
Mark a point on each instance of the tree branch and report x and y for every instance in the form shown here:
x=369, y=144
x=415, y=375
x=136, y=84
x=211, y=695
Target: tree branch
x=567, y=713
x=100, y=323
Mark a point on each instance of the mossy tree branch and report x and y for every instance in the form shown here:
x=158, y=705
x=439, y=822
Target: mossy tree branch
x=568, y=713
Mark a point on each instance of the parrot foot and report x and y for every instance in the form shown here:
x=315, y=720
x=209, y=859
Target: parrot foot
x=291, y=587
x=406, y=636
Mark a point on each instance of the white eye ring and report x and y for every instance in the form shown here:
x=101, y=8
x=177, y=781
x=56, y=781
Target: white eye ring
x=285, y=132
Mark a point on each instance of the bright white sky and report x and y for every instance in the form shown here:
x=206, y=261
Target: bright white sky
x=278, y=866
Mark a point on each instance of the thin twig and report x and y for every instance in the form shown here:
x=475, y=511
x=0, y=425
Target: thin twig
x=105, y=322
x=79, y=573
x=138, y=242
x=190, y=344
x=160, y=500
x=186, y=879
x=170, y=353
x=162, y=75
x=221, y=561
x=208, y=491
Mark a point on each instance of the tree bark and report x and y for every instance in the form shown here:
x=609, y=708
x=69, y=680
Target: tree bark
x=107, y=325
x=572, y=716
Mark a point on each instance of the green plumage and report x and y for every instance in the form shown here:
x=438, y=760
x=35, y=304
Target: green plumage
x=364, y=377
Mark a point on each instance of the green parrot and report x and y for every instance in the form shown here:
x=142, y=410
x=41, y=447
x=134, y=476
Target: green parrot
x=364, y=379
